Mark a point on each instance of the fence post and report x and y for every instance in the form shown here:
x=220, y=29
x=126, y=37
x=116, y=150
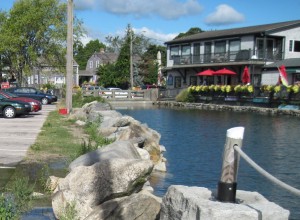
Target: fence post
x=228, y=181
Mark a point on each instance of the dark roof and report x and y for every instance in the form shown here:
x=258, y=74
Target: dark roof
x=266, y=28
x=107, y=57
x=291, y=62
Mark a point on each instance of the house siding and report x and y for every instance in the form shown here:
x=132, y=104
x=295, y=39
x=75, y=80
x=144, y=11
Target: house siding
x=292, y=34
x=257, y=40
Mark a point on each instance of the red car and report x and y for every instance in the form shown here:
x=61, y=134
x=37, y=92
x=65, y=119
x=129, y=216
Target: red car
x=35, y=104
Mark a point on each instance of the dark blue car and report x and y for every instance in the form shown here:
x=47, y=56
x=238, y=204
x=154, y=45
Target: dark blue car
x=33, y=93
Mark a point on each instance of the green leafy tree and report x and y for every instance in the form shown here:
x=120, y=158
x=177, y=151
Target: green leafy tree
x=83, y=53
x=149, y=67
x=34, y=34
x=191, y=31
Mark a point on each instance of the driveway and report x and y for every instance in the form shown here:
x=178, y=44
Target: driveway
x=18, y=134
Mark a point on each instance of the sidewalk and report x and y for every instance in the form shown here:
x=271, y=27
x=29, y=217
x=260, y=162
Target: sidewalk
x=18, y=134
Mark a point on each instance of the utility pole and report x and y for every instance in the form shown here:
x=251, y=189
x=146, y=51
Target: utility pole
x=69, y=75
x=131, y=59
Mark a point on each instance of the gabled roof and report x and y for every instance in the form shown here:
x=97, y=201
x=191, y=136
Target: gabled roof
x=107, y=57
x=266, y=29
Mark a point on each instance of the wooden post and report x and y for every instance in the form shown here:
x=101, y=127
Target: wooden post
x=228, y=182
x=69, y=75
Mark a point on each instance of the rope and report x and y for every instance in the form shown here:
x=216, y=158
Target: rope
x=265, y=173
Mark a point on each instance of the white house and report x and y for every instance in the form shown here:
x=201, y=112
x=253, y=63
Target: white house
x=256, y=47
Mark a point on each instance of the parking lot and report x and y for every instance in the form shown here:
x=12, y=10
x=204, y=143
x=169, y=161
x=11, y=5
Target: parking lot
x=18, y=134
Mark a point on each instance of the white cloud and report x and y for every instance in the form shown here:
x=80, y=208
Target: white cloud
x=158, y=38
x=168, y=9
x=224, y=14
x=155, y=37
x=85, y=39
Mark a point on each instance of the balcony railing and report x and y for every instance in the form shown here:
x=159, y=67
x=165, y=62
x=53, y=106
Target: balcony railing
x=232, y=56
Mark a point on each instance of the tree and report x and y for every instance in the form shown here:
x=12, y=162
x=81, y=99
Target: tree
x=191, y=31
x=149, y=67
x=34, y=34
x=83, y=53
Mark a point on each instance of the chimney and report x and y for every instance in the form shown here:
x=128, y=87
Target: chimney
x=102, y=50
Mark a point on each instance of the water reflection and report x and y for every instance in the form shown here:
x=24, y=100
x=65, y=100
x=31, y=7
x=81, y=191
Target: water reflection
x=194, y=140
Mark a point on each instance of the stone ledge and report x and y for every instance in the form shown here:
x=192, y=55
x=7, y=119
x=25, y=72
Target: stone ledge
x=234, y=108
x=184, y=203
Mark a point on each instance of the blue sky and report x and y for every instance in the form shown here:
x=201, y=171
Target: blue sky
x=164, y=19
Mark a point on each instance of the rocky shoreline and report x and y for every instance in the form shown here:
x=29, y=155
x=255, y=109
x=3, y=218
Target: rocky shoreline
x=233, y=108
x=112, y=181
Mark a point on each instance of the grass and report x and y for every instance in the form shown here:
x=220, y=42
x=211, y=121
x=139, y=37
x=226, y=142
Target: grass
x=56, y=141
x=55, y=138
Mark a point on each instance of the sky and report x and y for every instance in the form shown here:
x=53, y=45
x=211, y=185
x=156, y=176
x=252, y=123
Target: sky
x=162, y=20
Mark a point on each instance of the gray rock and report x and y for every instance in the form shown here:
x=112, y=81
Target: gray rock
x=151, y=137
x=118, y=149
x=185, y=203
x=106, y=132
x=80, y=123
x=87, y=187
x=139, y=206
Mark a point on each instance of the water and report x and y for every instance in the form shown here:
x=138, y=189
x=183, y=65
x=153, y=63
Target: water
x=194, y=140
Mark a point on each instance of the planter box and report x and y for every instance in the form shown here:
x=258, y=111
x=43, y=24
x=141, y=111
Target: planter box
x=63, y=111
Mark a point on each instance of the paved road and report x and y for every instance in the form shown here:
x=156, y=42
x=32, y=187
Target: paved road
x=18, y=134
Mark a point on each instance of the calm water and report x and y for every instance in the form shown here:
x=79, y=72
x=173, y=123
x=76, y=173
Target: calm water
x=194, y=140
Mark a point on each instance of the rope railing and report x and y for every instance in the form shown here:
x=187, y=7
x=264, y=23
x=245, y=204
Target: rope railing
x=265, y=173
x=227, y=184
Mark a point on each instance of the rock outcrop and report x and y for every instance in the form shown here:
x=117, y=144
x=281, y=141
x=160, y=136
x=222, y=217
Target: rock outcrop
x=185, y=203
x=112, y=181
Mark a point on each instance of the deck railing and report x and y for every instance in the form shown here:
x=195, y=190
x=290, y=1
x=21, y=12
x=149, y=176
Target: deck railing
x=142, y=95
x=226, y=57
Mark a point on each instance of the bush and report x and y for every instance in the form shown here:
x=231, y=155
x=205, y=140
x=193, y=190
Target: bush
x=78, y=100
x=185, y=96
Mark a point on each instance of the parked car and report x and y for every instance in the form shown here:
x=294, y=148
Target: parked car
x=149, y=86
x=12, y=108
x=33, y=93
x=35, y=104
x=91, y=89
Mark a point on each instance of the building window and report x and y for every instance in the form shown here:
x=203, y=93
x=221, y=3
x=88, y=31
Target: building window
x=220, y=47
x=97, y=63
x=296, y=46
x=186, y=50
x=291, y=46
x=91, y=64
x=177, y=82
x=174, y=51
x=196, y=54
x=193, y=80
x=170, y=80
x=234, y=48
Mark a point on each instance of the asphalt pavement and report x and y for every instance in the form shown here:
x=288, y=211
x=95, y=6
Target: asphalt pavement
x=18, y=134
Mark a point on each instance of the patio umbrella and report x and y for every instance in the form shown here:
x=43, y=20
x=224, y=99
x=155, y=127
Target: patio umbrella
x=283, y=76
x=246, y=76
x=224, y=71
x=207, y=72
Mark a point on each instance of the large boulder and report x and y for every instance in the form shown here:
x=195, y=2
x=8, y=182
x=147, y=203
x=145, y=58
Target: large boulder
x=89, y=186
x=115, y=150
x=139, y=206
x=185, y=203
x=151, y=137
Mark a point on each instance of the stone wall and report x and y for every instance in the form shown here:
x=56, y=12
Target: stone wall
x=233, y=108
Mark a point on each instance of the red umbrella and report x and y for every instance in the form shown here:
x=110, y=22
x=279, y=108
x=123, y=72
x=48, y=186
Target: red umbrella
x=246, y=75
x=224, y=71
x=207, y=72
